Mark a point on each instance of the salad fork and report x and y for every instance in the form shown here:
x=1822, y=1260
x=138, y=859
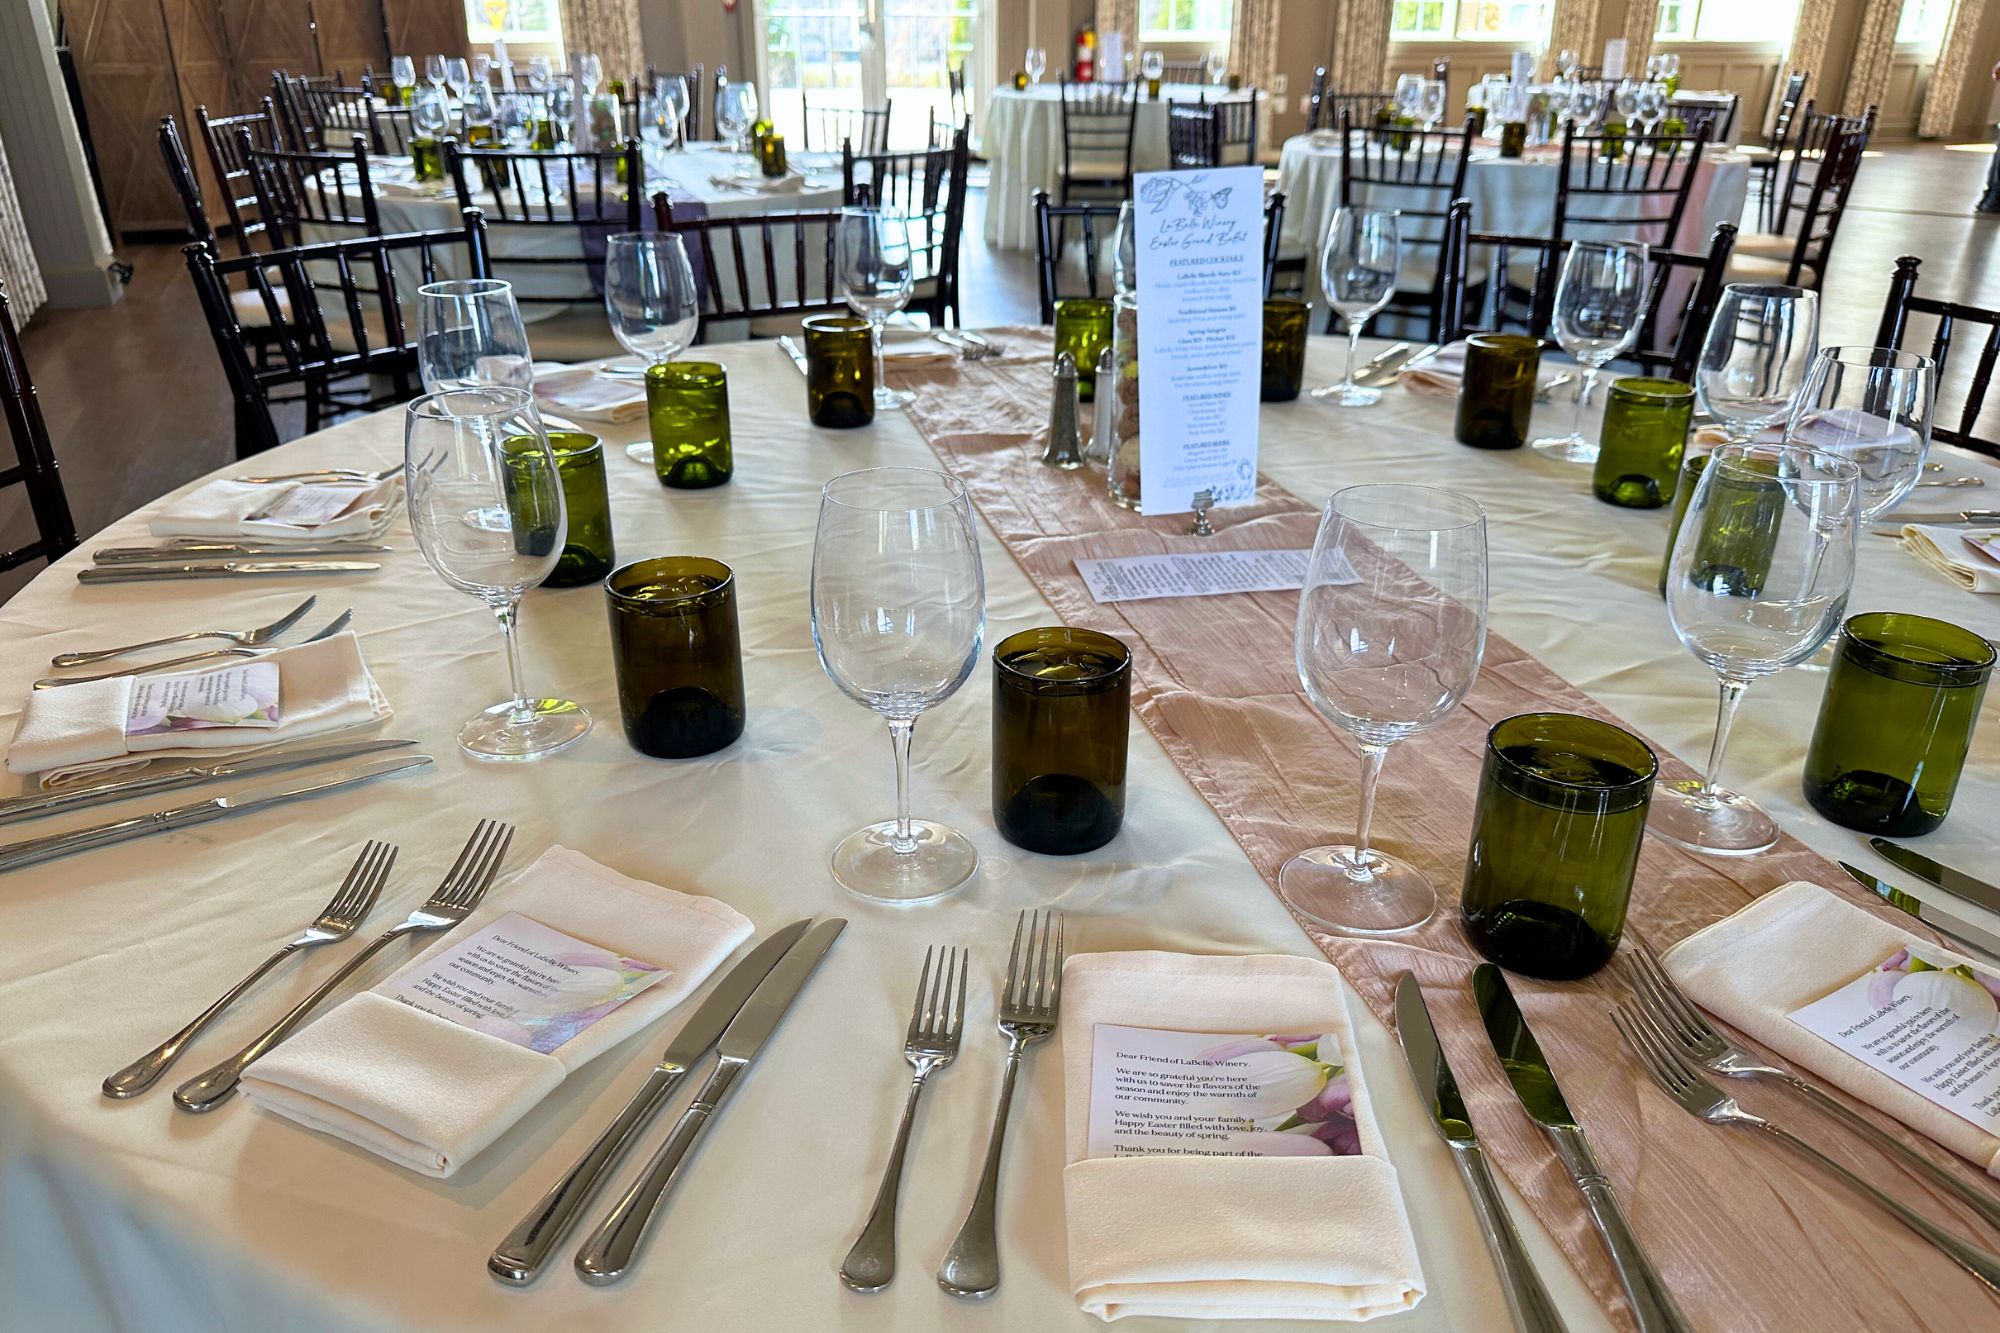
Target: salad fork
x=243, y=638
x=930, y=1044
x=463, y=887
x=335, y=626
x=1678, y=1077
x=1676, y=1016
x=349, y=908
x=1028, y=1011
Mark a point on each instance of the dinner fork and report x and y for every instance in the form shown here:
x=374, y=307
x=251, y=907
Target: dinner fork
x=1696, y=1039
x=1678, y=1077
x=245, y=638
x=325, y=474
x=463, y=887
x=338, y=623
x=1028, y=1008
x=350, y=906
x=930, y=1044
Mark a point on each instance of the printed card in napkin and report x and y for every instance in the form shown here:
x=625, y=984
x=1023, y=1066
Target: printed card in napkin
x=1321, y=1236
x=1789, y=948
x=280, y=511
x=429, y=1093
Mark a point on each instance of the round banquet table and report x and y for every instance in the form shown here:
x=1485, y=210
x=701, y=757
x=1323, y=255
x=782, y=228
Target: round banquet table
x=118, y=1215
x=1023, y=140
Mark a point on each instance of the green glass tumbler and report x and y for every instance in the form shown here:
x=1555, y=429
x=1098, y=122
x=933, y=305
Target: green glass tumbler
x=588, y=552
x=1496, y=394
x=1737, y=543
x=1640, y=446
x=1896, y=722
x=427, y=157
x=687, y=403
x=1083, y=329
x=1556, y=834
x=677, y=654
x=1286, y=323
x=1061, y=710
x=1690, y=477
x=1513, y=138
x=840, y=371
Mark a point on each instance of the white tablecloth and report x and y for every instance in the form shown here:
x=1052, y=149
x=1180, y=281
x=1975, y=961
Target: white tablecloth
x=1023, y=140
x=130, y=1215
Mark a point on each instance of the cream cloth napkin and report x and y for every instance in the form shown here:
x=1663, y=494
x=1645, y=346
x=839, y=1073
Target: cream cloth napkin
x=1443, y=373
x=428, y=1094
x=1787, y=949
x=580, y=392
x=78, y=731
x=223, y=508
x=758, y=183
x=1226, y=1237
x=1946, y=550
x=907, y=347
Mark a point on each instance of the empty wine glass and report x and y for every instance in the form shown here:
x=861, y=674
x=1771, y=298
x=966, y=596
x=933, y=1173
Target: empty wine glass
x=872, y=250
x=1872, y=406
x=674, y=100
x=1218, y=67
x=1651, y=106
x=1625, y=101
x=1409, y=94
x=1430, y=103
x=1391, y=631
x=1037, y=63
x=403, y=73
x=479, y=109
x=650, y=296
x=1357, y=271
x=590, y=72
x=540, y=73
x=1153, y=65
x=898, y=614
x=1600, y=303
x=735, y=113
x=457, y=75
x=486, y=505
x=434, y=71
x=1566, y=63
x=1755, y=358
x=469, y=334
x=430, y=113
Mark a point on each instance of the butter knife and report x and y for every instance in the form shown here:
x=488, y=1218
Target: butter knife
x=1958, y=932
x=15, y=855
x=794, y=351
x=527, y=1247
x=181, y=551
x=1385, y=363
x=223, y=570
x=1527, y=1299
x=1954, y=882
x=1521, y=1059
x=607, y=1255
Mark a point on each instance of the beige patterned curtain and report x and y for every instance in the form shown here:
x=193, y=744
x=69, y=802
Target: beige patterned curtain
x=608, y=29
x=1954, y=67
x=1253, y=42
x=1122, y=17
x=1574, y=28
x=18, y=268
x=1874, y=51
x=1812, y=33
x=1641, y=18
x=1360, y=60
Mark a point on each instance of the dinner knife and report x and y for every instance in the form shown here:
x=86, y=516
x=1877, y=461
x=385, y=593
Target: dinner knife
x=1521, y=1059
x=1956, y=516
x=792, y=349
x=1527, y=1299
x=527, y=1247
x=1954, y=882
x=128, y=555
x=221, y=570
x=1385, y=363
x=1958, y=932
x=16, y=808
x=15, y=855
x=608, y=1253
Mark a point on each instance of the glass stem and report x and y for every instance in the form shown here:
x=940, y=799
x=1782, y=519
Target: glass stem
x=507, y=615
x=1353, y=342
x=1582, y=398
x=1371, y=769
x=902, y=841
x=875, y=326
x=1732, y=695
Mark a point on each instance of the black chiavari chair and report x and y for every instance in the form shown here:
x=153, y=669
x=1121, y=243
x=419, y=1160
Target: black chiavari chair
x=180, y=171
x=928, y=187
x=956, y=97
x=742, y=263
x=1895, y=330
x=696, y=82
x=391, y=129
x=1097, y=126
x=1419, y=172
x=232, y=171
x=1764, y=160
x=867, y=127
x=1641, y=194
x=34, y=466
x=1192, y=143
x=1800, y=257
x=1236, y=128
x=1705, y=119
x=311, y=105
x=1316, y=99
x=1812, y=144
x=1097, y=225
x=1184, y=71
x=318, y=190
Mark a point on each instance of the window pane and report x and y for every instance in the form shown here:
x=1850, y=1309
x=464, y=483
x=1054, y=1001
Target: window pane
x=1509, y=20
x=1185, y=20
x=512, y=21
x=1675, y=19
x=1733, y=21
x=1418, y=18
x=1923, y=22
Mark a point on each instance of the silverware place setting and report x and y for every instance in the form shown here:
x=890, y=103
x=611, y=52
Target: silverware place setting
x=324, y=475
x=188, y=549
x=333, y=627
x=223, y=569
x=242, y=638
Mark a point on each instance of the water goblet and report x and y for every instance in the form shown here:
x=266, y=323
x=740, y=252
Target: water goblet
x=1037, y=63
x=872, y=253
x=1755, y=358
x=650, y=296
x=1357, y=268
x=1600, y=305
x=470, y=334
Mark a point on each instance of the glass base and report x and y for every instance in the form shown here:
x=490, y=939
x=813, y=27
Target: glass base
x=1339, y=894
x=893, y=400
x=1348, y=395
x=623, y=370
x=939, y=861
x=1568, y=448
x=1728, y=824
x=501, y=733
x=642, y=452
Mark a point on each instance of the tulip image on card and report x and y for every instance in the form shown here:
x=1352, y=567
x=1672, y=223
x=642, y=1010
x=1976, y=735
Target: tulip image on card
x=1298, y=1103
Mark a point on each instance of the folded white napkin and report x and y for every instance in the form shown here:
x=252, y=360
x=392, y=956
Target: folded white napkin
x=78, y=731
x=789, y=183
x=1442, y=373
x=905, y=347
x=580, y=392
x=223, y=508
x=1789, y=948
x=1946, y=550
x=1226, y=1237
x=429, y=1094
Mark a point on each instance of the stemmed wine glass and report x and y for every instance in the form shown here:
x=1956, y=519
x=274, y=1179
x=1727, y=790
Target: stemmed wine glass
x=469, y=334
x=650, y=296
x=403, y=73
x=1600, y=304
x=486, y=505
x=736, y=112
x=1755, y=358
x=1409, y=94
x=1037, y=63
x=590, y=72
x=872, y=249
x=673, y=94
x=1872, y=406
x=434, y=71
x=1651, y=104
x=1153, y=65
x=457, y=75
x=1625, y=101
x=1430, y=103
x=1357, y=270
x=430, y=113
x=1757, y=581
x=1391, y=630
x=898, y=614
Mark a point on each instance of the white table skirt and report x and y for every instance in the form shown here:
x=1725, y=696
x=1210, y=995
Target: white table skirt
x=130, y=1215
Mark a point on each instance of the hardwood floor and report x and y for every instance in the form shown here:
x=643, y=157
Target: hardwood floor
x=136, y=403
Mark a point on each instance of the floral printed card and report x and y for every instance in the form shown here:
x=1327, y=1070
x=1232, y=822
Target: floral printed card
x=235, y=696
x=523, y=982
x=1216, y=1095
x=1928, y=1021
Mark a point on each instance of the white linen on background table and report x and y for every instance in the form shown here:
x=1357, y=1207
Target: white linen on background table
x=129, y=1215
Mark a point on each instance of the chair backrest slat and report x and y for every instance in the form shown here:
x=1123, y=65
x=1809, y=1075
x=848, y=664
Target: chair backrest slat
x=587, y=193
x=866, y=128
x=1895, y=329
x=739, y=245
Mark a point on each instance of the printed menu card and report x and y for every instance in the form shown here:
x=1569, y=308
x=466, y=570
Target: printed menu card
x=1199, y=238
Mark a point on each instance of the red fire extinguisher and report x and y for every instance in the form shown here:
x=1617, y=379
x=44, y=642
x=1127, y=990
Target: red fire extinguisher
x=1086, y=54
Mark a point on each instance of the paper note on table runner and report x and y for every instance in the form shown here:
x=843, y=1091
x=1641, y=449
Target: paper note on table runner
x=523, y=982
x=1207, y=1094
x=236, y=696
x=1930, y=1022
x=1135, y=578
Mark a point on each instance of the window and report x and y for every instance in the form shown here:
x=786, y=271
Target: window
x=531, y=22
x=1923, y=23
x=1727, y=21
x=1185, y=20
x=1469, y=20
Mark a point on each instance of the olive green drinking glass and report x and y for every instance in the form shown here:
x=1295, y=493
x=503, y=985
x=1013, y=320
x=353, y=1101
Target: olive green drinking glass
x=1690, y=476
x=1642, y=441
x=588, y=551
x=840, y=371
x=677, y=654
x=1555, y=841
x=1285, y=327
x=687, y=403
x=1496, y=394
x=1895, y=723
x=1083, y=329
x=1061, y=710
